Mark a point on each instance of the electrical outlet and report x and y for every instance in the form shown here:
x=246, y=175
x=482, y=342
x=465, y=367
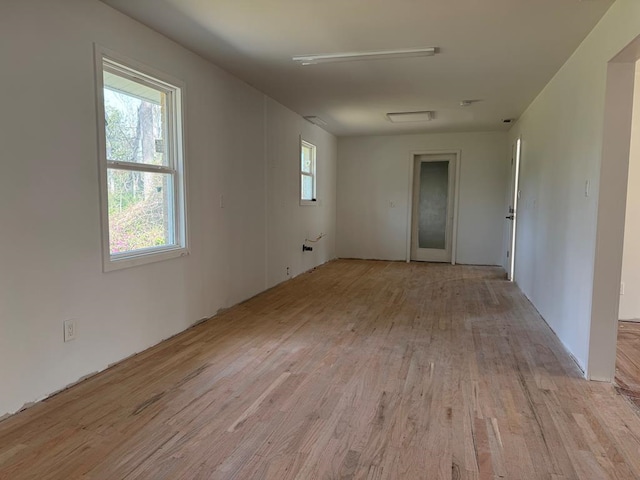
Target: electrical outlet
x=288, y=272
x=69, y=330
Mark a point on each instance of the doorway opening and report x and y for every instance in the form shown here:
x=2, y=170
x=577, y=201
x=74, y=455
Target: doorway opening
x=627, y=375
x=433, y=207
x=512, y=215
x=612, y=199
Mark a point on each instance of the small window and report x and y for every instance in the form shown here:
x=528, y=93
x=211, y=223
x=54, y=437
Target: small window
x=142, y=166
x=307, y=173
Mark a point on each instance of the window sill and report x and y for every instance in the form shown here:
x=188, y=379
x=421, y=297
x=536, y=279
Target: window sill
x=110, y=264
x=310, y=203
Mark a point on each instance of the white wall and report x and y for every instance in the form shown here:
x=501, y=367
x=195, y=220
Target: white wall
x=373, y=175
x=630, y=301
x=239, y=144
x=289, y=223
x=562, y=136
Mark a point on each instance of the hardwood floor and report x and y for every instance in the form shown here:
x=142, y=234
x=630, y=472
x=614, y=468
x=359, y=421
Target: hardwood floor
x=628, y=360
x=360, y=369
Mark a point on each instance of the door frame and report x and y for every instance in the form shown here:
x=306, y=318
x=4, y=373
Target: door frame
x=514, y=197
x=456, y=194
x=611, y=213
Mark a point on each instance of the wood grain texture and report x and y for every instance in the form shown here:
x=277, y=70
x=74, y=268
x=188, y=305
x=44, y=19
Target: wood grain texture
x=628, y=361
x=357, y=370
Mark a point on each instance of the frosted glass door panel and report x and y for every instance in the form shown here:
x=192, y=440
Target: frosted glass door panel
x=433, y=202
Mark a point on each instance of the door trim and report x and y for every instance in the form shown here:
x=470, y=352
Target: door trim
x=456, y=194
x=514, y=194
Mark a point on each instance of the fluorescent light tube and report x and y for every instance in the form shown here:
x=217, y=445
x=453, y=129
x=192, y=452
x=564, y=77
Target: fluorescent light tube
x=400, y=117
x=355, y=56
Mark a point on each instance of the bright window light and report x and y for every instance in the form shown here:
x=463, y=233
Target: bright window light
x=142, y=166
x=307, y=172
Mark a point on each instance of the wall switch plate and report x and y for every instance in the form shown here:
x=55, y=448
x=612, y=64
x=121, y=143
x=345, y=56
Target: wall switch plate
x=621, y=288
x=69, y=330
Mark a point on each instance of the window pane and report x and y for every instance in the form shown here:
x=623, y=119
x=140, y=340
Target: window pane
x=434, y=192
x=140, y=210
x=134, y=121
x=307, y=187
x=307, y=160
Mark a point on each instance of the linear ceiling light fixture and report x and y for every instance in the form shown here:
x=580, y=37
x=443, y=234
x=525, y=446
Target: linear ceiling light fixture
x=400, y=117
x=355, y=56
x=315, y=120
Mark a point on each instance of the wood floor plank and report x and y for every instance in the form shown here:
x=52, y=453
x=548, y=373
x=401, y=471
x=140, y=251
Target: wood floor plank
x=628, y=361
x=363, y=370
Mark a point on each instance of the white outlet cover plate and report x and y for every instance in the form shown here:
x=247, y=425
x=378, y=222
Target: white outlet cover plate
x=69, y=330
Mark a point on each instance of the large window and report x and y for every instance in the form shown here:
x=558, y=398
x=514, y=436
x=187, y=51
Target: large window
x=142, y=165
x=307, y=173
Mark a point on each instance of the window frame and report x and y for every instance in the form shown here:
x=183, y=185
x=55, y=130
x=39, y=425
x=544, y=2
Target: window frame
x=313, y=174
x=174, y=89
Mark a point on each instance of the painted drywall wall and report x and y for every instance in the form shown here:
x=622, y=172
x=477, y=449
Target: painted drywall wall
x=50, y=263
x=288, y=222
x=373, y=194
x=562, y=149
x=630, y=299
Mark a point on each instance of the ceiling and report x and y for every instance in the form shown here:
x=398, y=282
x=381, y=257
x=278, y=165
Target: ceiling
x=502, y=52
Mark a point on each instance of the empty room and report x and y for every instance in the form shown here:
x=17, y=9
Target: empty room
x=278, y=239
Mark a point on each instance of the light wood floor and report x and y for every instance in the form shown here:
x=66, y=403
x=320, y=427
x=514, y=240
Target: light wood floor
x=364, y=370
x=628, y=360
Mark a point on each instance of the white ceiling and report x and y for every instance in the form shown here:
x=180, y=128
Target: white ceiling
x=501, y=51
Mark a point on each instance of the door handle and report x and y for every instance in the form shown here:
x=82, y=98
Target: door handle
x=510, y=217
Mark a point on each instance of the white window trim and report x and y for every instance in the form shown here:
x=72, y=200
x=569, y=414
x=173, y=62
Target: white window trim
x=176, y=132
x=314, y=175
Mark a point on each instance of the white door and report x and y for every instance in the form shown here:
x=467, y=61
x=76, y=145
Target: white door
x=513, y=208
x=433, y=207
